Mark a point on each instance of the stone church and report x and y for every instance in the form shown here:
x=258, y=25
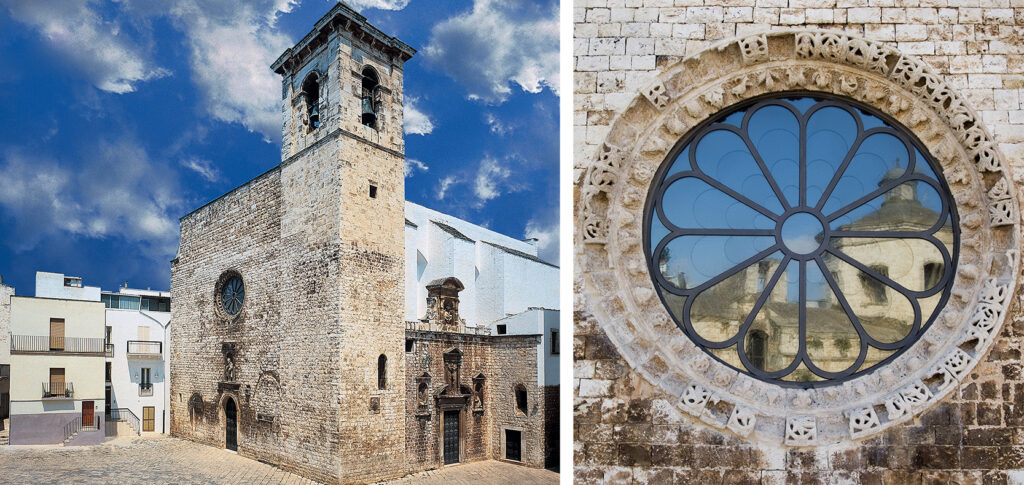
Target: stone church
x=291, y=342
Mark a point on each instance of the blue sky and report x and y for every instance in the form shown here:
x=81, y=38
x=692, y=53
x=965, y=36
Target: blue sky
x=117, y=117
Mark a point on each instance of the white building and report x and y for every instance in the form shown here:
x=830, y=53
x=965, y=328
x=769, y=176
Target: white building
x=508, y=289
x=6, y=292
x=137, y=335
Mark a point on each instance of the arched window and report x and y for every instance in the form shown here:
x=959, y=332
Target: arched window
x=311, y=96
x=755, y=348
x=370, y=97
x=382, y=372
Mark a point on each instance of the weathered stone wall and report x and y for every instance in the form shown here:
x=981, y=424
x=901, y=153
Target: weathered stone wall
x=504, y=361
x=551, y=425
x=322, y=263
x=5, y=322
x=629, y=431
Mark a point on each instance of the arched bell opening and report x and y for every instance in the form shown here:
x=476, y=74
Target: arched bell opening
x=370, y=97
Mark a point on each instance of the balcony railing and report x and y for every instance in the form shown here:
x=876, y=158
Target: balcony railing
x=150, y=348
x=109, y=350
x=125, y=414
x=58, y=390
x=66, y=345
x=146, y=389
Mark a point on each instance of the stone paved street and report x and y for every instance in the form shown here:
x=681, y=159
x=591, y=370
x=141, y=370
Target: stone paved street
x=163, y=460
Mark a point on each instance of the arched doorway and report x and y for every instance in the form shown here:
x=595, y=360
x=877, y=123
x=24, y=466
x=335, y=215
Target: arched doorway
x=231, y=425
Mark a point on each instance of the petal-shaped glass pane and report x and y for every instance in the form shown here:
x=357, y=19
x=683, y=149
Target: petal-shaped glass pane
x=723, y=156
x=831, y=132
x=879, y=158
x=691, y=203
x=833, y=343
x=681, y=163
x=911, y=206
x=719, y=311
x=916, y=264
x=690, y=261
x=885, y=314
x=773, y=339
x=775, y=133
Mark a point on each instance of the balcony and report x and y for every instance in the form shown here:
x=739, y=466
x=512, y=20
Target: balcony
x=145, y=348
x=146, y=389
x=33, y=344
x=58, y=390
x=109, y=350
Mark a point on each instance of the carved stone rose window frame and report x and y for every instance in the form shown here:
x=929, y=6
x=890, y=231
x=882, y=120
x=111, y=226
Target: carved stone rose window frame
x=616, y=290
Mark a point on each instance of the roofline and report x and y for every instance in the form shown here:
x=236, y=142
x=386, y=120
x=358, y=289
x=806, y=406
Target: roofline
x=344, y=17
x=521, y=254
x=98, y=302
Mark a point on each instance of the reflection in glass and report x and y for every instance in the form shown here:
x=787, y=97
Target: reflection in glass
x=775, y=293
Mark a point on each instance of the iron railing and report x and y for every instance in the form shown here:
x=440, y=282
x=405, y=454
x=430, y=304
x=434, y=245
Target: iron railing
x=75, y=425
x=109, y=350
x=436, y=327
x=145, y=347
x=67, y=345
x=146, y=389
x=126, y=415
x=58, y=390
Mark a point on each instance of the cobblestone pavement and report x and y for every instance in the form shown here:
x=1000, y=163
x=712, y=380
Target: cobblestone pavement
x=479, y=473
x=163, y=460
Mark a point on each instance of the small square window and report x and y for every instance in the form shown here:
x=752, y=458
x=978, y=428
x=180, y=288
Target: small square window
x=373, y=191
x=408, y=344
x=502, y=329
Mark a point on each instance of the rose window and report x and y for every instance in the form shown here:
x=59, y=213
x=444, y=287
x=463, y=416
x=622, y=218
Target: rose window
x=801, y=240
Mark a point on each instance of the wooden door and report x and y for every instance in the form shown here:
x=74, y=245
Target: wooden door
x=56, y=334
x=148, y=420
x=88, y=414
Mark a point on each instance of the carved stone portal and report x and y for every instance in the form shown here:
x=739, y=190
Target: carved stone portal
x=443, y=301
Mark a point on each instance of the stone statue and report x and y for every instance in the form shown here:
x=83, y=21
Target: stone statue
x=452, y=371
x=229, y=367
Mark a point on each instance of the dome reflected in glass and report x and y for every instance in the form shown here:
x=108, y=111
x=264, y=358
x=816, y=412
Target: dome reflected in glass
x=801, y=240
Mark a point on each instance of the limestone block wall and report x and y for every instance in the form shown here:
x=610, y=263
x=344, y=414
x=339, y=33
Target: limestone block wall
x=6, y=292
x=628, y=430
x=504, y=361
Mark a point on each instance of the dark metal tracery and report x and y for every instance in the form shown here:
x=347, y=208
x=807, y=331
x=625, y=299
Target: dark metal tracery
x=908, y=215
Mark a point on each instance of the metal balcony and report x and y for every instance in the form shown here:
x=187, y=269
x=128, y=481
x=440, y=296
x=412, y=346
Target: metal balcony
x=146, y=389
x=145, y=348
x=58, y=390
x=109, y=350
x=30, y=344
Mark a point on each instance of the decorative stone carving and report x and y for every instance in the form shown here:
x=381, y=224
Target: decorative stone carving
x=863, y=422
x=801, y=431
x=741, y=421
x=228, y=350
x=443, y=301
x=617, y=291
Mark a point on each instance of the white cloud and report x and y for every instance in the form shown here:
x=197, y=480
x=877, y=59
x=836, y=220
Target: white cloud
x=110, y=193
x=94, y=47
x=415, y=121
x=233, y=44
x=412, y=166
x=489, y=178
x=547, y=239
x=497, y=44
x=446, y=183
x=496, y=126
x=378, y=4
x=203, y=167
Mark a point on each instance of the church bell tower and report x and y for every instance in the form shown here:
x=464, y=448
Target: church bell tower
x=343, y=190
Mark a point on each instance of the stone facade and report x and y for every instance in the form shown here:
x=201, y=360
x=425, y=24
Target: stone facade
x=312, y=365
x=6, y=292
x=647, y=71
x=497, y=364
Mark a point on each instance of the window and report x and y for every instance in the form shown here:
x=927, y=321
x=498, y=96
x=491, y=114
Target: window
x=792, y=213
x=106, y=335
x=145, y=381
x=232, y=295
x=382, y=372
x=409, y=344
x=109, y=373
x=311, y=101
x=57, y=334
x=58, y=388
x=502, y=329
x=120, y=302
x=373, y=191
x=154, y=304
x=73, y=282
x=554, y=341
x=520, y=396
x=371, y=97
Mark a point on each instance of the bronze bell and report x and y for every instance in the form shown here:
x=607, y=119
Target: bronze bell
x=369, y=114
x=314, y=116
